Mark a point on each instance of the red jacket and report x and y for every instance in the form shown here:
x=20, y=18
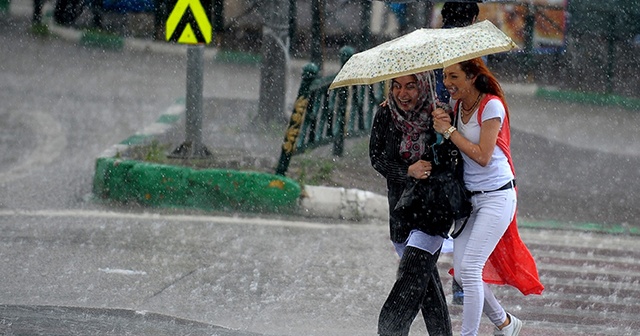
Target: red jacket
x=510, y=263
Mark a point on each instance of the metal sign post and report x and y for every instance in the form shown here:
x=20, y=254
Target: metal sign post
x=188, y=23
x=192, y=147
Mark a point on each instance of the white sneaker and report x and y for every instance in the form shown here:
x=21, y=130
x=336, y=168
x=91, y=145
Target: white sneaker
x=512, y=329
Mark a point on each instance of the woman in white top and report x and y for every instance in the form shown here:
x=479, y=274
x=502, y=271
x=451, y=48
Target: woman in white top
x=489, y=249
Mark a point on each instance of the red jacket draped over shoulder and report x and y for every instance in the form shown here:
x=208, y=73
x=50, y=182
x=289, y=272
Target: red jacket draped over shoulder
x=510, y=263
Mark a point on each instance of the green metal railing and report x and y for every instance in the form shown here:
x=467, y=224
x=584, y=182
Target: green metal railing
x=321, y=116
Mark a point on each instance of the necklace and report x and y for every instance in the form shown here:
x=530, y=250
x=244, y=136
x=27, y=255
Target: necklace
x=473, y=107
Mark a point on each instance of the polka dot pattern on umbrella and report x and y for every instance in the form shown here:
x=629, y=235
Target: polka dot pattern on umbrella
x=421, y=50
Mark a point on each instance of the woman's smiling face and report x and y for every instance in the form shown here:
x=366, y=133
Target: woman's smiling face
x=456, y=82
x=405, y=92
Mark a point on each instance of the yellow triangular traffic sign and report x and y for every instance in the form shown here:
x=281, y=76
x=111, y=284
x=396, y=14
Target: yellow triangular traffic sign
x=188, y=23
x=187, y=36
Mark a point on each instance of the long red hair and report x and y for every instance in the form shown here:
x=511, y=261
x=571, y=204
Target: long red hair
x=485, y=81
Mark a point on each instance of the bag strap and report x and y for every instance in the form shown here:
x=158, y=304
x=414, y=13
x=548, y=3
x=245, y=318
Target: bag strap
x=455, y=234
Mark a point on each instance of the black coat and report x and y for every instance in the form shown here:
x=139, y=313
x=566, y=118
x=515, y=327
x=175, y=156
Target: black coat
x=384, y=152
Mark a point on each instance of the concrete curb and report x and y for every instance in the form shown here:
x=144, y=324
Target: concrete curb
x=171, y=186
x=159, y=185
x=349, y=204
x=113, y=42
x=588, y=98
x=585, y=227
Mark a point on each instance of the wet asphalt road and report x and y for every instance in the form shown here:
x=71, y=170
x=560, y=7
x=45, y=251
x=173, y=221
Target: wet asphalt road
x=168, y=273
x=567, y=184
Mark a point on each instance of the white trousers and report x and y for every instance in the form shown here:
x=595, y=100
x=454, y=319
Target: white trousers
x=491, y=216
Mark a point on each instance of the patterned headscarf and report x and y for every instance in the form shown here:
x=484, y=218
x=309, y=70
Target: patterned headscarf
x=415, y=124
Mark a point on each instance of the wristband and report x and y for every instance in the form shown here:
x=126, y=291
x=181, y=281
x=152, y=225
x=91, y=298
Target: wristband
x=448, y=132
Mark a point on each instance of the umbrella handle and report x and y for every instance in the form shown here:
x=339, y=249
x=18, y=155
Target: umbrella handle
x=431, y=78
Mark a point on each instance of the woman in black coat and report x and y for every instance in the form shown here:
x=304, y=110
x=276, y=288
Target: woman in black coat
x=401, y=149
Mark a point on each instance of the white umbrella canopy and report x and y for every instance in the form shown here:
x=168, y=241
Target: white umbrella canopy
x=422, y=50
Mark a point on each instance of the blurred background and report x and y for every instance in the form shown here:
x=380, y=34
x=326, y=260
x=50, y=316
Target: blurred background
x=582, y=45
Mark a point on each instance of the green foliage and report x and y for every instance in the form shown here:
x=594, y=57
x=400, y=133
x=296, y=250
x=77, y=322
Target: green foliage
x=40, y=29
x=314, y=171
x=155, y=153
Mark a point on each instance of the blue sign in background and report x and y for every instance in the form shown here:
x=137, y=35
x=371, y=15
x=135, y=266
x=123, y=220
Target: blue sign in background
x=128, y=6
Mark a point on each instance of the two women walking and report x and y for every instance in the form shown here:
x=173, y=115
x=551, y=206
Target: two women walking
x=488, y=249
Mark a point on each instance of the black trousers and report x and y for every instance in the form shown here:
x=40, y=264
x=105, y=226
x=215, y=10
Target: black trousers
x=417, y=288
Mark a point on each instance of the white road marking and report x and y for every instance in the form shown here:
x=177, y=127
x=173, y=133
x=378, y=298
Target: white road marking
x=121, y=271
x=180, y=218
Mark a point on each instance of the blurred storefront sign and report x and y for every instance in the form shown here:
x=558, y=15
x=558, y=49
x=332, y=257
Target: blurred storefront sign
x=548, y=17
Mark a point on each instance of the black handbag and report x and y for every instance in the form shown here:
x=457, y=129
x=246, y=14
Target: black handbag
x=432, y=205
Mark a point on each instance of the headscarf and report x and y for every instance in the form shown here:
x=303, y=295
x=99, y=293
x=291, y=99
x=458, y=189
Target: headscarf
x=414, y=124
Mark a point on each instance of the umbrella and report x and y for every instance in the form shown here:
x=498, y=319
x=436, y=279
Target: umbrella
x=422, y=50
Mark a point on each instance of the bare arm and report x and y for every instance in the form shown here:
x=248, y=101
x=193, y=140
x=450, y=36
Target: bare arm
x=481, y=152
